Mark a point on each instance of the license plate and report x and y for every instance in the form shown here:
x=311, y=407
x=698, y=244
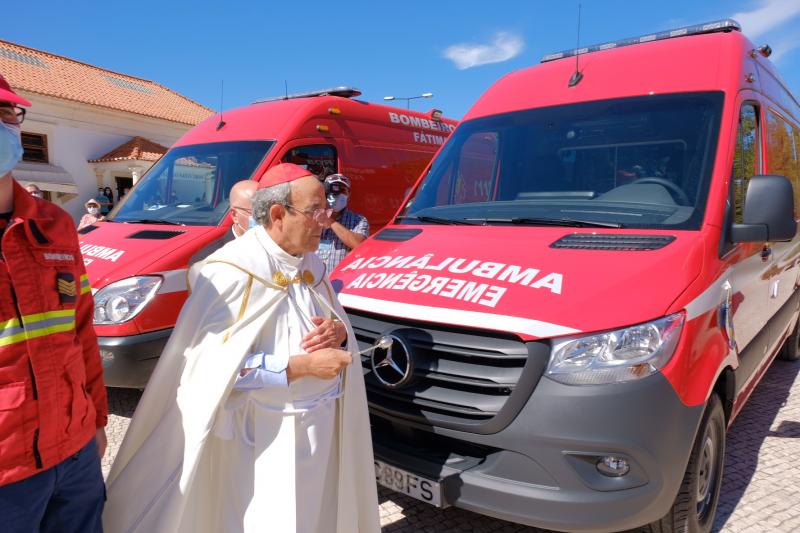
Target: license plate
x=413, y=485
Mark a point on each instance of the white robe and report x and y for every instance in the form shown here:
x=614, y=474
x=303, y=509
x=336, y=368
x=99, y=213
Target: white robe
x=186, y=463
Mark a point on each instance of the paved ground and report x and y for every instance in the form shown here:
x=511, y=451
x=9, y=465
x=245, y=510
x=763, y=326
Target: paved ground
x=760, y=490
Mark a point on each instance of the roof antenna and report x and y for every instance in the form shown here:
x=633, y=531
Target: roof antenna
x=221, y=100
x=578, y=75
x=286, y=89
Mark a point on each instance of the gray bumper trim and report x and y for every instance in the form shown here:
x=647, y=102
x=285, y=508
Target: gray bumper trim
x=527, y=472
x=129, y=361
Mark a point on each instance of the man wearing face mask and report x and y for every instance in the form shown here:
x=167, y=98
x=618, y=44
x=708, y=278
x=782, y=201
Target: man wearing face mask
x=345, y=229
x=241, y=212
x=52, y=395
x=241, y=201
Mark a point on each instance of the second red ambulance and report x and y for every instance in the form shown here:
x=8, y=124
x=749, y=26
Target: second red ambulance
x=179, y=211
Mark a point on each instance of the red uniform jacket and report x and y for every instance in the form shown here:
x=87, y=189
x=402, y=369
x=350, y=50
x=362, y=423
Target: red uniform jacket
x=52, y=396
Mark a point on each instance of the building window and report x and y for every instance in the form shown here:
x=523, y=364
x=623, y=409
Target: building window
x=35, y=147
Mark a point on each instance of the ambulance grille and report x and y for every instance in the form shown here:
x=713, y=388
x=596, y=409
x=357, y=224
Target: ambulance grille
x=155, y=234
x=465, y=379
x=611, y=241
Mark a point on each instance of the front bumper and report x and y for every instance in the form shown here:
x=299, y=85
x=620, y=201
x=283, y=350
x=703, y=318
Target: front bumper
x=129, y=361
x=540, y=469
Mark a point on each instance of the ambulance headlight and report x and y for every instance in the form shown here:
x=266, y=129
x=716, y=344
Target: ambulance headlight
x=615, y=356
x=124, y=299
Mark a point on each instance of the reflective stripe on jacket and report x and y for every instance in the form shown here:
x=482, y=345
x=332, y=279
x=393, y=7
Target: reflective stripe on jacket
x=52, y=396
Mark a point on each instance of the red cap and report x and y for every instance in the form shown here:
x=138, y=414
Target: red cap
x=7, y=95
x=283, y=173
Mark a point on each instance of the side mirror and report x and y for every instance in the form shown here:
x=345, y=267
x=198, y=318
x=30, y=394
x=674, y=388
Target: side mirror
x=768, y=211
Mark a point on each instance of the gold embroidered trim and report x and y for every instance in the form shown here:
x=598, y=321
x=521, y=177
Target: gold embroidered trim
x=306, y=277
x=245, y=299
x=282, y=279
x=279, y=278
x=257, y=278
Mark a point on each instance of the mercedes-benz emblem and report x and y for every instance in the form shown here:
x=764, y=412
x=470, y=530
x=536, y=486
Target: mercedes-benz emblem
x=392, y=366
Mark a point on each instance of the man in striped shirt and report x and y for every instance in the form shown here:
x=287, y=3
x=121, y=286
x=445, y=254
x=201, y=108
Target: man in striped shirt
x=345, y=229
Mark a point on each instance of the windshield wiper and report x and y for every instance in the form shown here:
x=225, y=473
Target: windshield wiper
x=152, y=221
x=439, y=220
x=569, y=222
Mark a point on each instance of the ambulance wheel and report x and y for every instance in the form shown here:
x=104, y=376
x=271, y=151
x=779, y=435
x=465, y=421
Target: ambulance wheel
x=791, y=348
x=696, y=503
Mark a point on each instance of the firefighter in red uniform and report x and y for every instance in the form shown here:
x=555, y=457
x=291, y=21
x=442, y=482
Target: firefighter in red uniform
x=52, y=398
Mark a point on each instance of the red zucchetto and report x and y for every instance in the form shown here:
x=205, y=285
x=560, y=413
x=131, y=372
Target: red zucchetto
x=283, y=173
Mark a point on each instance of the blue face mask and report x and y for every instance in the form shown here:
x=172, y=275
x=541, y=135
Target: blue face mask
x=10, y=147
x=251, y=223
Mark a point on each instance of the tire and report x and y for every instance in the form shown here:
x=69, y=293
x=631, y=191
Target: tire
x=696, y=503
x=790, y=351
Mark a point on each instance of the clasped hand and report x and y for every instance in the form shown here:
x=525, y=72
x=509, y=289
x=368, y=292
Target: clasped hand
x=324, y=360
x=328, y=334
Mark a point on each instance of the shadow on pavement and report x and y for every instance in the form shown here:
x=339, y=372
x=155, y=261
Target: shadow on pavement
x=122, y=402
x=418, y=516
x=748, y=432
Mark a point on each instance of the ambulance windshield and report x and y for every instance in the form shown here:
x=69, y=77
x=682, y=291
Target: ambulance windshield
x=642, y=162
x=190, y=184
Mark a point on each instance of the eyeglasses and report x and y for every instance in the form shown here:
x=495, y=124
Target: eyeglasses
x=317, y=215
x=12, y=114
x=245, y=209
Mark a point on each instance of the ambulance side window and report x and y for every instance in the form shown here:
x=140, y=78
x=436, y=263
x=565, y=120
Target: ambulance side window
x=747, y=159
x=319, y=159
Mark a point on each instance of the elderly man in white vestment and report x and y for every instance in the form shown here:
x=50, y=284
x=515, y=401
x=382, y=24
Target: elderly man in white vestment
x=254, y=419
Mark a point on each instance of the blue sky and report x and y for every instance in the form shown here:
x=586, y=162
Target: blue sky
x=454, y=49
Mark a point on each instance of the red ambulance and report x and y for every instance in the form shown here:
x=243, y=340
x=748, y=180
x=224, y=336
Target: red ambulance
x=587, y=285
x=178, y=212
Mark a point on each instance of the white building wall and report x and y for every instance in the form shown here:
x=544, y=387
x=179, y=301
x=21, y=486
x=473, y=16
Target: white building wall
x=77, y=133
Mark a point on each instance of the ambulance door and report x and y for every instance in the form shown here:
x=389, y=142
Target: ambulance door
x=782, y=159
x=751, y=262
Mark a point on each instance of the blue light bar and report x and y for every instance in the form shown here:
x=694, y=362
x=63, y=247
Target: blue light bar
x=697, y=29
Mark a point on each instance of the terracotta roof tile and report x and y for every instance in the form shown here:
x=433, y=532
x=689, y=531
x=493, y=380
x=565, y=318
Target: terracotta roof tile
x=40, y=72
x=138, y=148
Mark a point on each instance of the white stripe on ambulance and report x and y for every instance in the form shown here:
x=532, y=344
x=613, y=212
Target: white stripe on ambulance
x=535, y=328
